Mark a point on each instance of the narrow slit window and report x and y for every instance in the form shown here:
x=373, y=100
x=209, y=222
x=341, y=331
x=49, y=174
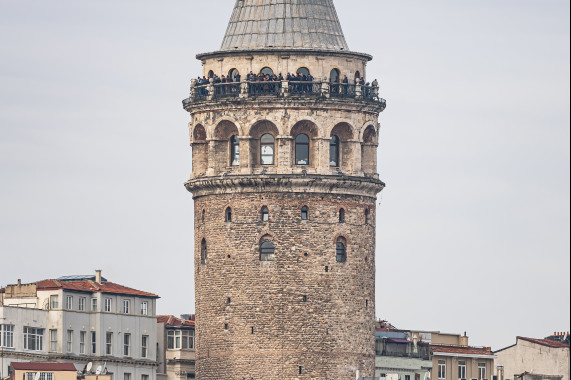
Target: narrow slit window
x=304, y=213
x=341, y=251
x=267, y=251
x=367, y=216
x=334, y=151
x=228, y=214
x=234, y=151
x=265, y=214
x=342, y=215
x=203, y=251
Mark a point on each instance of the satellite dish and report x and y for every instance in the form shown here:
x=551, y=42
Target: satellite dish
x=37, y=376
x=98, y=371
x=427, y=376
x=89, y=366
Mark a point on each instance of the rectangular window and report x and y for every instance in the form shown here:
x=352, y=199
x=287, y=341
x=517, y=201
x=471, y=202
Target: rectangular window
x=482, y=371
x=107, y=305
x=144, y=346
x=94, y=304
x=54, y=304
x=82, y=336
x=7, y=336
x=69, y=302
x=188, y=339
x=126, y=344
x=144, y=308
x=43, y=376
x=126, y=376
x=144, y=377
x=126, y=306
x=441, y=369
x=33, y=339
x=109, y=343
x=461, y=369
x=177, y=339
x=69, y=340
x=81, y=304
x=53, y=340
x=406, y=377
x=93, y=342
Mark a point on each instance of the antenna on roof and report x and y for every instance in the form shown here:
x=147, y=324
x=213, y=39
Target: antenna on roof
x=104, y=371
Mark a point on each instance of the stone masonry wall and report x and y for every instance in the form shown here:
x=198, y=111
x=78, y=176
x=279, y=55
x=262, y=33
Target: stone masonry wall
x=253, y=321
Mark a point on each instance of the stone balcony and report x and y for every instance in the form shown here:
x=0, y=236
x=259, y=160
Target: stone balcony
x=294, y=90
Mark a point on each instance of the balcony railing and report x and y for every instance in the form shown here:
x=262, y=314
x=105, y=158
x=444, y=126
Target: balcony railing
x=294, y=89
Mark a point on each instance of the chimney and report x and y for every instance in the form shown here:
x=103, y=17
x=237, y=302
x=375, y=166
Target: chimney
x=98, y=276
x=19, y=282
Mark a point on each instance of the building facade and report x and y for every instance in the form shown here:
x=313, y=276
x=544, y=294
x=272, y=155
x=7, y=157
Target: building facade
x=176, y=348
x=80, y=320
x=401, y=356
x=284, y=183
x=454, y=359
x=528, y=357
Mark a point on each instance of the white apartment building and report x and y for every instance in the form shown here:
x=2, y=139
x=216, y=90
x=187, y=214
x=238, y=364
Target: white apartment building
x=80, y=319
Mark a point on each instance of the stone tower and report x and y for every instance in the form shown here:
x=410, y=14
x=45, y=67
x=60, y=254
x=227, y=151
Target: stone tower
x=284, y=182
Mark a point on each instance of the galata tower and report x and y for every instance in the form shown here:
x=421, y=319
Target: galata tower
x=284, y=133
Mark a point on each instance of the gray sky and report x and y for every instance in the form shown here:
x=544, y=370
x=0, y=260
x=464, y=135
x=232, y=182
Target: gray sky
x=473, y=228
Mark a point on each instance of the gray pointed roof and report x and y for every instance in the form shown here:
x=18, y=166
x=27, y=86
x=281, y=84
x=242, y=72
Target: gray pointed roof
x=284, y=24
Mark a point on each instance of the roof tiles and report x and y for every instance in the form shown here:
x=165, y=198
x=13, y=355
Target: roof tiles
x=461, y=350
x=92, y=287
x=545, y=342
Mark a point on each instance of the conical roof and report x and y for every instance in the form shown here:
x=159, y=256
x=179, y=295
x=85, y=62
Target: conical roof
x=284, y=24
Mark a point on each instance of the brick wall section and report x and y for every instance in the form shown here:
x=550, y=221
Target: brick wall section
x=331, y=334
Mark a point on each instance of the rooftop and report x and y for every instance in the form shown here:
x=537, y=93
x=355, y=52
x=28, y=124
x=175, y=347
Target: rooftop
x=92, y=287
x=22, y=366
x=172, y=321
x=460, y=350
x=284, y=24
x=545, y=342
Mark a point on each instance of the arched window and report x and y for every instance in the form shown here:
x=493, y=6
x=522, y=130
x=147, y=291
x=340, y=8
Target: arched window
x=342, y=215
x=228, y=214
x=267, y=251
x=303, y=71
x=203, y=252
x=334, y=151
x=341, y=250
x=267, y=145
x=232, y=74
x=302, y=149
x=367, y=216
x=357, y=75
x=267, y=71
x=211, y=74
x=334, y=76
x=234, y=151
x=265, y=214
x=304, y=213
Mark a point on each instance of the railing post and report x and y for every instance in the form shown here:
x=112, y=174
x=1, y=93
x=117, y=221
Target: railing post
x=285, y=88
x=325, y=88
x=210, y=89
x=358, y=91
x=244, y=89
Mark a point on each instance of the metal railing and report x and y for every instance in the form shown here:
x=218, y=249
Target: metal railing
x=264, y=88
x=227, y=90
x=299, y=87
x=343, y=90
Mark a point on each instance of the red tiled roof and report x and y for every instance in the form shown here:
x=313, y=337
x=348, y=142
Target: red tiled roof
x=43, y=366
x=92, y=287
x=171, y=320
x=461, y=350
x=545, y=342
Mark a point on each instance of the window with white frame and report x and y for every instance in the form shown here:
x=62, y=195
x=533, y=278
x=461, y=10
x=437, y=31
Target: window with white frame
x=144, y=346
x=81, y=304
x=93, y=342
x=461, y=369
x=69, y=302
x=33, y=339
x=144, y=308
x=126, y=306
x=53, y=340
x=94, y=304
x=442, y=369
x=177, y=339
x=7, y=336
x=481, y=371
x=69, y=342
x=43, y=375
x=82, y=337
x=144, y=377
x=126, y=376
x=54, y=302
x=109, y=343
x=126, y=344
x=107, y=305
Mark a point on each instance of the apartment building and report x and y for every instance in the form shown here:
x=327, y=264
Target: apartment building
x=176, y=347
x=80, y=320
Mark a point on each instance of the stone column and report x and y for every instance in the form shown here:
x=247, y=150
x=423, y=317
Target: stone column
x=284, y=153
x=245, y=155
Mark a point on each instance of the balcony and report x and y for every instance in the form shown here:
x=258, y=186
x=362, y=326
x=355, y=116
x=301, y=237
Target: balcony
x=283, y=89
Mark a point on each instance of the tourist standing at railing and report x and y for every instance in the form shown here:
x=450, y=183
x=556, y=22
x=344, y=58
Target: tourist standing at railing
x=345, y=85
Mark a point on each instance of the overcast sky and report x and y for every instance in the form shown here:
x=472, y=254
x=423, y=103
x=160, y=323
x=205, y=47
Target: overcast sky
x=473, y=227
